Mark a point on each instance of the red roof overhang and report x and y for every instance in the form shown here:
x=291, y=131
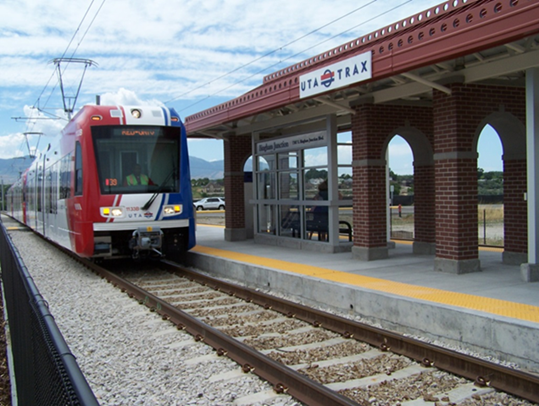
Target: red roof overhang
x=433, y=36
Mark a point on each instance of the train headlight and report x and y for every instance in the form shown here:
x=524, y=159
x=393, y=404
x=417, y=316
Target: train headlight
x=171, y=210
x=136, y=113
x=112, y=212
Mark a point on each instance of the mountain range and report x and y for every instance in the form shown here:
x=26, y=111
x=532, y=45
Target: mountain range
x=201, y=168
x=10, y=169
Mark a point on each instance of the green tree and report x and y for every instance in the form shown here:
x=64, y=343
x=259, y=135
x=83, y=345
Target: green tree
x=316, y=174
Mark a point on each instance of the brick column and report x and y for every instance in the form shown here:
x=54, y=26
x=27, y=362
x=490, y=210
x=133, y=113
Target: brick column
x=236, y=150
x=455, y=162
x=370, y=210
x=372, y=128
x=456, y=213
x=424, y=210
x=457, y=118
x=369, y=180
x=515, y=212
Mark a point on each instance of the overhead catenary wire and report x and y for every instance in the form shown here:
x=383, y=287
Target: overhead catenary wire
x=273, y=51
x=30, y=122
x=287, y=58
x=77, y=47
x=65, y=51
x=38, y=104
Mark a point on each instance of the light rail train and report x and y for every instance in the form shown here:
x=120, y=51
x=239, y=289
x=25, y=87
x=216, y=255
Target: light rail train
x=117, y=185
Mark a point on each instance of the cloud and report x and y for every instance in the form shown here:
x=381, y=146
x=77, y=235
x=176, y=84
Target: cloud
x=399, y=147
x=159, y=51
x=12, y=145
x=127, y=98
x=40, y=130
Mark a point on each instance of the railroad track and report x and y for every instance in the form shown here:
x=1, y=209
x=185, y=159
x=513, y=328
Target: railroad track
x=319, y=358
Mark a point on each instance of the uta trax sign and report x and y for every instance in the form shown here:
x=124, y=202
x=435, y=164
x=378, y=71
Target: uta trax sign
x=340, y=74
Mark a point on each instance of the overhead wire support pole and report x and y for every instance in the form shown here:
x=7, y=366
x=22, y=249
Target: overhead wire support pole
x=26, y=134
x=35, y=118
x=70, y=101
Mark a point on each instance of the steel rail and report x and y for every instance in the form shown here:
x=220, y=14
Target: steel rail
x=483, y=373
x=284, y=380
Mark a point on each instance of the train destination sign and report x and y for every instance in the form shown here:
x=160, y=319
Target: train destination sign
x=139, y=131
x=340, y=74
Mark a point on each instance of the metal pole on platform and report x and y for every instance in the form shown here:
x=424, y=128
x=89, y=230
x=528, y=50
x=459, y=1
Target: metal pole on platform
x=484, y=227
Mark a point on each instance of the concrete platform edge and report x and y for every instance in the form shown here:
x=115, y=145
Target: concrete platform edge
x=505, y=339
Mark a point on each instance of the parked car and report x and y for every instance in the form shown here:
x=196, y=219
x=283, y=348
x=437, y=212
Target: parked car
x=210, y=203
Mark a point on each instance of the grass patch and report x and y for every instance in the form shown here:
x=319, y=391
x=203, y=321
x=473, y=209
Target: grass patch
x=490, y=214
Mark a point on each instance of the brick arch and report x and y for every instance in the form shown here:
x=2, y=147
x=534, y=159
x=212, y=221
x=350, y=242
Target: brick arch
x=373, y=126
x=419, y=144
x=424, y=199
x=512, y=133
x=250, y=155
x=510, y=129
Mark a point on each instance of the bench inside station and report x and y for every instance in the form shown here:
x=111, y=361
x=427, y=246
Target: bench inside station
x=317, y=224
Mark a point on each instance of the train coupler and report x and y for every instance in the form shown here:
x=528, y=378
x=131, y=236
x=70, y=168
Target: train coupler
x=146, y=241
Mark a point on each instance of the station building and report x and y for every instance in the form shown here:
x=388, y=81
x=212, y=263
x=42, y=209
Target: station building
x=436, y=78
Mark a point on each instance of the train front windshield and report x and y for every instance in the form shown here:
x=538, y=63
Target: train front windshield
x=137, y=159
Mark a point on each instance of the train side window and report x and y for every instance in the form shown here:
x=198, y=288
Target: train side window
x=65, y=177
x=40, y=188
x=78, y=170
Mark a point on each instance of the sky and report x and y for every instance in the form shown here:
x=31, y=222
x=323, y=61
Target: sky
x=189, y=55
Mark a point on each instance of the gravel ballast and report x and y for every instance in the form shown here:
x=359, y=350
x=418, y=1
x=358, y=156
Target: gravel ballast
x=129, y=355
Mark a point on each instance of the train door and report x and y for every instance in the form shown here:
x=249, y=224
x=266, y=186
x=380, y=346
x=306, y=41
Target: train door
x=64, y=191
x=47, y=203
x=40, y=220
x=23, y=201
x=52, y=200
x=35, y=198
x=30, y=208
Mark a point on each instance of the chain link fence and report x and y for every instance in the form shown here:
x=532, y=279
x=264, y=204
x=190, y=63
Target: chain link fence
x=46, y=372
x=490, y=224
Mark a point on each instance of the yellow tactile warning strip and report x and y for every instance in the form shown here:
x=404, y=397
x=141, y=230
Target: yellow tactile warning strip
x=483, y=304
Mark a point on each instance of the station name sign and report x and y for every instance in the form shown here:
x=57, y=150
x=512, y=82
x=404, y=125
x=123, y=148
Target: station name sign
x=340, y=74
x=297, y=142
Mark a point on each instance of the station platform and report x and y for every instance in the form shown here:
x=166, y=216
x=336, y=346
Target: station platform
x=492, y=312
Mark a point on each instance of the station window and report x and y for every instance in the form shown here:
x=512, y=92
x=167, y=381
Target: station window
x=292, y=184
x=344, y=160
x=288, y=185
x=290, y=224
x=267, y=219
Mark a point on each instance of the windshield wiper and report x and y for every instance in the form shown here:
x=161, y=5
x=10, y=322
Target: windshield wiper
x=159, y=190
